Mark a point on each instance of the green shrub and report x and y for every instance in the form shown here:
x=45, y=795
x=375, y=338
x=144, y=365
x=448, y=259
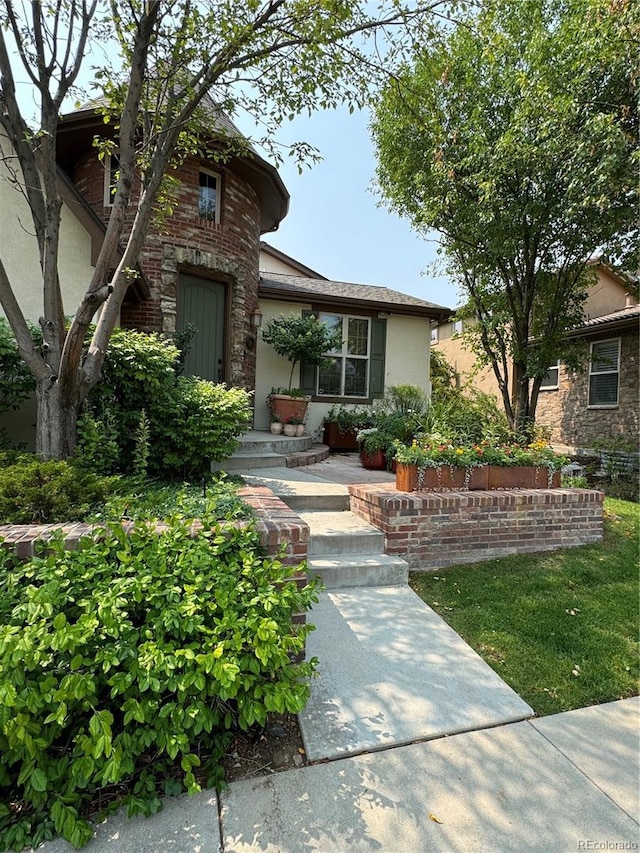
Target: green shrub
x=139, y=499
x=16, y=382
x=197, y=425
x=124, y=663
x=167, y=424
x=36, y=492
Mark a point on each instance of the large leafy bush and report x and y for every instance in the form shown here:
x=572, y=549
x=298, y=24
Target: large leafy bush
x=124, y=664
x=190, y=422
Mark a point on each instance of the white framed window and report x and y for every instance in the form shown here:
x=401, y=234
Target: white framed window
x=347, y=374
x=457, y=327
x=604, y=373
x=550, y=381
x=434, y=334
x=209, y=196
x=111, y=168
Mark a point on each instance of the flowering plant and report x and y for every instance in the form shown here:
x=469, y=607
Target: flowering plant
x=372, y=439
x=435, y=453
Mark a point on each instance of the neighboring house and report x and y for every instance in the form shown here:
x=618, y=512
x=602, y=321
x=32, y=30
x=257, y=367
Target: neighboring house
x=585, y=407
x=201, y=267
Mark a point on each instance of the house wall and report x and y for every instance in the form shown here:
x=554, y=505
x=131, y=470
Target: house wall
x=606, y=296
x=405, y=335
x=227, y=251
x=270, y=264
x=576, y=427
x=19, y=251
x=463, y=361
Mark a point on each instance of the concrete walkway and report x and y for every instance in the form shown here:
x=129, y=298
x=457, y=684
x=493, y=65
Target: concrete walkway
x=419, y=746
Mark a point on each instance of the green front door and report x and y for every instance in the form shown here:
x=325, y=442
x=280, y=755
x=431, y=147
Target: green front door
x=201, y=303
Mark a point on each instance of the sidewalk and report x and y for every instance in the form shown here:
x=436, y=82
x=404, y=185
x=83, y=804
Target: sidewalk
x=419, y=747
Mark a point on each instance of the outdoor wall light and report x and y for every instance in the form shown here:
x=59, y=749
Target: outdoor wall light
x=256, y=318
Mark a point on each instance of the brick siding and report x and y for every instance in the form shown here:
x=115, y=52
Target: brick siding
x=431, y=531
x=227, y=252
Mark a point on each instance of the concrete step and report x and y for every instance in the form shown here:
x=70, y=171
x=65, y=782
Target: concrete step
x=242, y=461
x=299, y=490
x=340, y=533
x=350, y=571
x=262, y=441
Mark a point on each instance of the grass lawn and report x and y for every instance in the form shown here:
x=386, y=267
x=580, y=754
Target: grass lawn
x=561, y=628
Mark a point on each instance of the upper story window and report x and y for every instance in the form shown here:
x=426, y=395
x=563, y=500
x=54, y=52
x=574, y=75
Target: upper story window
x=112, y=168
x=347, y=374
x=434, y=334
x=604, y=373
x=209, y=196
x=550, y=381
x=457, y=327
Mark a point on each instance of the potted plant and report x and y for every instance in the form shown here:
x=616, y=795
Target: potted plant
x=276, y=425
x=298, y=338
x=373, y=444
x=294, y=426
x=341, y=426
x=435, y=463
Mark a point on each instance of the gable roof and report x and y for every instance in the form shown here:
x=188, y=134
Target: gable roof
x=301, y=269
x=343, y=294
x=626, y=318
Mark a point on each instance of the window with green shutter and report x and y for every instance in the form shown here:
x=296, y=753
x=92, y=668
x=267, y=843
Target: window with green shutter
x=356, y=370
x=604, y=373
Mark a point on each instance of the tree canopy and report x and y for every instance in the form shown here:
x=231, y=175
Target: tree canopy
x=515, y=136
x=269, y=59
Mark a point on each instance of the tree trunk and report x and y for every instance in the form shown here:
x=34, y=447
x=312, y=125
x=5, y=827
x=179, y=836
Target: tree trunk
x=56, y=422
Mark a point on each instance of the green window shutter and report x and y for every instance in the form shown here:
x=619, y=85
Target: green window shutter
x=309, y=372
x=376, y=360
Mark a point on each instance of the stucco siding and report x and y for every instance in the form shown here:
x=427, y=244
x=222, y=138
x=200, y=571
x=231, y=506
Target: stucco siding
x=19, y=252
x=406, y=361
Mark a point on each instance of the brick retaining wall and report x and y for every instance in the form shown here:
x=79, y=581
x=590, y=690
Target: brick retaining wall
x=434, y=530
x=276, y=523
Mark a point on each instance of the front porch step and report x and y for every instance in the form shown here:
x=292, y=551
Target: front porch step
x=262, y=441
x=349, y=571
x=334, y=534
x=244, y=461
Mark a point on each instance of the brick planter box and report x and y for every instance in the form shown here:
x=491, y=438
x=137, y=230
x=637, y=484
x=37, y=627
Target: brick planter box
x=431, y=530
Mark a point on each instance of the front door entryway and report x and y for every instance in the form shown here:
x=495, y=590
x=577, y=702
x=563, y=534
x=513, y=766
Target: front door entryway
x=202, y=304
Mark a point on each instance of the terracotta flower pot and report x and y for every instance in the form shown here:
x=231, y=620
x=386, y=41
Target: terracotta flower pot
x=409, y=479
x=376, y=461
x=337, y=440
x=522, y=477
x=284, y=407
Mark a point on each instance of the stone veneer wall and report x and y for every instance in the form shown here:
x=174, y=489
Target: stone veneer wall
x=434, y=530
x=566, y=412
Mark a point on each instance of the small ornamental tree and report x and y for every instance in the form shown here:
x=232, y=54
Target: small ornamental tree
x=301, y=339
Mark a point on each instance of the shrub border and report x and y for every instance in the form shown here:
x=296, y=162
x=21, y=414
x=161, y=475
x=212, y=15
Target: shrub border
x=278, y=526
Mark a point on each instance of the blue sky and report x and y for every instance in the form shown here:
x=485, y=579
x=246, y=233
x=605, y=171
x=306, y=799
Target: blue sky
x=335, y=225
